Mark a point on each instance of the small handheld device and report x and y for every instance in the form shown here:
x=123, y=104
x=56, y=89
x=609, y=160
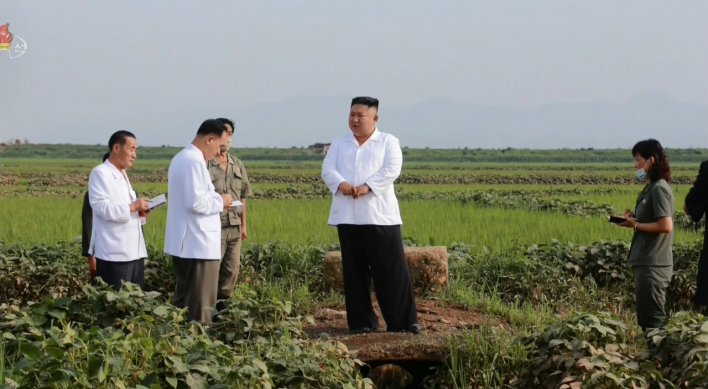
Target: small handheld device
x=617, y=219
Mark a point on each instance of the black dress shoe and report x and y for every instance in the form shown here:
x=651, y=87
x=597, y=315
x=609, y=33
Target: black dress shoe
x=415, y=329
x=364, y=330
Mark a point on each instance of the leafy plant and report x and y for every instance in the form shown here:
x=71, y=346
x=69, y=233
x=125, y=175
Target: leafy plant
x=29, y=272
x=133, y=339
x=585, y=351
x=680, y=350
x=605, y=262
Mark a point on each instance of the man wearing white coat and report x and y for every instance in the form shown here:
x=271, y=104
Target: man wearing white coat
x=193, y=232
x=359, y=170
x=117, y=240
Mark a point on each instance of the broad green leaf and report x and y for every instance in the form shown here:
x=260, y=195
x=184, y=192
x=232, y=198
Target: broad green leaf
x=162, y=310
x=25, y=364
x=116, y=362
x=58, y=313
x=195, y=381
x=704, y=327
x=656, y=339
x=613, y=378
x=556, y=342
x=702, y=339
x=69, y=373
x=58, y=376
x=172, y=381
x=49, y=365
x=294, y=381
x=178, y=365
x=55, y=352
x=30, y=351
x=95, y=364
x=260, y=365
x=119, y=384
x=62, y=301
x=102, y=374
x=595, y=376
x=8, y=335
x=149, y=379
x=200, y=367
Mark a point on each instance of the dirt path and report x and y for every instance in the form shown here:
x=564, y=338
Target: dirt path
x=436, y=322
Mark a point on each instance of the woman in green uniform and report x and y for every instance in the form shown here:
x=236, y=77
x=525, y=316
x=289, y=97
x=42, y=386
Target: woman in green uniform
x=650, y=255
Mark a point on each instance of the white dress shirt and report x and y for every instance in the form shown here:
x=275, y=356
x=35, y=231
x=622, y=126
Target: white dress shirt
x=376, y=163
x=193, y=223
x=117, y=233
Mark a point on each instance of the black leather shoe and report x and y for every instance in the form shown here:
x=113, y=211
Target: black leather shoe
x=364, y=330
x=415, y=329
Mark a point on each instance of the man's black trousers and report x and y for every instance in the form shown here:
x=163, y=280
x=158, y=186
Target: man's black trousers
x=376, y=252
x=115, y=273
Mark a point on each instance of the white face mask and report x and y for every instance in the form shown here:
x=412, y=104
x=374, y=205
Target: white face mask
x=641, y=174
x=228, y=145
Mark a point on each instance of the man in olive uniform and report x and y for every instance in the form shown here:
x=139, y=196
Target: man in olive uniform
x=229, y=177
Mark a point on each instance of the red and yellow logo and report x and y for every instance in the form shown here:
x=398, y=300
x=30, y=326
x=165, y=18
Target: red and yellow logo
x=5, y=37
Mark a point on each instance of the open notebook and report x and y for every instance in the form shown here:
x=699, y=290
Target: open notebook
x=154, y=202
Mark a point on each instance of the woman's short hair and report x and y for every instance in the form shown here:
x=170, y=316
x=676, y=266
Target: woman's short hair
x=652, y=148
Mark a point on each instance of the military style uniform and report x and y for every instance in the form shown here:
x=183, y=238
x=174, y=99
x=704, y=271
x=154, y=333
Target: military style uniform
x=651, y=255
x=232, y=181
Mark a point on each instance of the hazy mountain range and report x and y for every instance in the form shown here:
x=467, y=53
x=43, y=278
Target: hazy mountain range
x=434, y=123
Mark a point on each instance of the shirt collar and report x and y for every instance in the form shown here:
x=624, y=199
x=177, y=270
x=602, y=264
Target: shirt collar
x=117, y=173
x=215, y=162
x=374, y=137
x=194, y=149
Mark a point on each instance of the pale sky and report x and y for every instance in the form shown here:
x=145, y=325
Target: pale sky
x=94, y=61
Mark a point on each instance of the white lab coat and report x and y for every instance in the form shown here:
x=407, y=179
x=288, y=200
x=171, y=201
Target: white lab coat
x=117, y=233
x=376, y=163
x=193, y=223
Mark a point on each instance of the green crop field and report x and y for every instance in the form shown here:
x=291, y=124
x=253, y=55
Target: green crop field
x=529, y=248
x=444, y=222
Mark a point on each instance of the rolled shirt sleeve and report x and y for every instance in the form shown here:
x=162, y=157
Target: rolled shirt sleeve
x=331, y=177
x=387, y=175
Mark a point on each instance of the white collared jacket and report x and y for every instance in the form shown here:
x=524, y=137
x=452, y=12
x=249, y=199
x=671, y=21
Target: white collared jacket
x=117, y=233
x=376, y=163
x=193, y=228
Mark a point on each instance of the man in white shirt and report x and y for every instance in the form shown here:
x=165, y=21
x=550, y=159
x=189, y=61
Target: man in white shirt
x=117, y=240
x=359, y=170
x=193, y=232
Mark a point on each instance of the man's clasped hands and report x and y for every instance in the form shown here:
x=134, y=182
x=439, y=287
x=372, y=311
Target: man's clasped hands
x=348, y=189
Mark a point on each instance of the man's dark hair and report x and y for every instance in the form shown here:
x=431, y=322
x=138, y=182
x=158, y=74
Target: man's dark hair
x=119, y=138
x=212, y=127
x=227, y=121
x=367, y=101
x=106, y=155
x=652, y=148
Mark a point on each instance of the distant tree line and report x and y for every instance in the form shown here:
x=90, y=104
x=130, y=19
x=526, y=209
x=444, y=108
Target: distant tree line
x=585, y=155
